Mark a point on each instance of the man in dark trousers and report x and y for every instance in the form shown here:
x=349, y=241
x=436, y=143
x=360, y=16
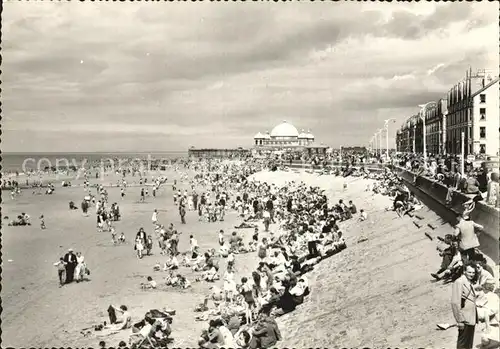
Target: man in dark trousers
x=182, y=212
x=270, y=208
x=70, y=260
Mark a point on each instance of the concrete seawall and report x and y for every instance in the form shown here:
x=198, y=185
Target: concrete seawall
x=433, y=194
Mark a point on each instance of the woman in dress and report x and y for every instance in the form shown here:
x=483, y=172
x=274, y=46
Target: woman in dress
x=139, y=246
x=80, y=267
x=229, y=284
x=190, y=203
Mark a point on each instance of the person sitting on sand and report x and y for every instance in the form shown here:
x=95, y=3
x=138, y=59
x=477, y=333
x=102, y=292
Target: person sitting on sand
x=125, y=320
x=121, y=238
x=171, y=264
x=224, y=251
x=362, y=215
x=488, y=305
x=455, y=264
x=210, y=275
x=150, y=284
x=339, y=243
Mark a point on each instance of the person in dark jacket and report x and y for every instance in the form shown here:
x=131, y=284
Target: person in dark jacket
x=70, y=260
x=267, y=330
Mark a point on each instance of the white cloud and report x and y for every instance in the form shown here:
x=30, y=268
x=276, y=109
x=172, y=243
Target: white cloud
x=231, y=70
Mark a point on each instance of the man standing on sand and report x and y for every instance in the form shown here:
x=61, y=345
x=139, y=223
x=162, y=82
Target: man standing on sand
x=154, y=218
x=463, y=305
x=70, y=260
x=182, y=212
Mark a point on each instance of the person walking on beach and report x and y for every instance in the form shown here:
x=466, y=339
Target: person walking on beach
x=139, y=246
x=154, y=218
x=42, y=223
x=61, y=271
x=71, y=262
x=463, y=305
x=182, y=213
x=142, y=195
x=80, y=267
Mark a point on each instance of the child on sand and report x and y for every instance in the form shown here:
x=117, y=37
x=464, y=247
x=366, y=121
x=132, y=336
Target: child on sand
x=61, y=271
x=121, y=238
x=113, y=235
x=151, y=284
x=42, y=222
x=362, y=215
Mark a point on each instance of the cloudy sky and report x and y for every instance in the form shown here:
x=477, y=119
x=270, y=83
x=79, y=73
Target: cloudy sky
x=166, y=76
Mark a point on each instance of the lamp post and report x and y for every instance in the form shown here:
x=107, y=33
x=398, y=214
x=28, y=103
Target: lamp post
x=423, y=110
x=386, y=126
x=379, y=132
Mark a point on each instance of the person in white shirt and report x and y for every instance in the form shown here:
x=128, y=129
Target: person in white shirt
x=221, y=237
x=488, y=308
x=194, y=247
x=362, y=215
x=154, y=218
x=340, y=243
x=311, y=242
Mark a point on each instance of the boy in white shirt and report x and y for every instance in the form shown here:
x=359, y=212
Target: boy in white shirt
x=362, y=215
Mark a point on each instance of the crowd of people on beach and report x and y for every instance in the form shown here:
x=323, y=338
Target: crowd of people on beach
x=294, y=227
x=299, y=229
x=480, y=183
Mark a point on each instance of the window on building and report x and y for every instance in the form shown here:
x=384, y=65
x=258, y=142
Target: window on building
x=482, y=132
x=482, y=98
x=482, y=113
x=482, y=149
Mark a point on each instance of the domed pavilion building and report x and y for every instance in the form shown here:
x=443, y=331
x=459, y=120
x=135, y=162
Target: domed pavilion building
x=284, y=136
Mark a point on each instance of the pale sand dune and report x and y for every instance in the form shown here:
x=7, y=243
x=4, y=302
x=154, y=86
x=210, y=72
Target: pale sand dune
x=376, y=292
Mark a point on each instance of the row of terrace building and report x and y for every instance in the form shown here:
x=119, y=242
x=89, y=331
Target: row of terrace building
x=471, y=107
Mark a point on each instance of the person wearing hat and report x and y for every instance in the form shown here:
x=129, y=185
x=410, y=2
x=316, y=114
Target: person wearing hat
x=70, y=260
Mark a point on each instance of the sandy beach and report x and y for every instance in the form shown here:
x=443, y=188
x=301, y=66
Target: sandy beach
x=374, y=293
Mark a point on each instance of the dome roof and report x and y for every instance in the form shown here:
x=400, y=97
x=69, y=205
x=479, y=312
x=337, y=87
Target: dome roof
x=309, y=135
x=302, y=134
x=258, y=136
x=266, y=135
x=284, y=130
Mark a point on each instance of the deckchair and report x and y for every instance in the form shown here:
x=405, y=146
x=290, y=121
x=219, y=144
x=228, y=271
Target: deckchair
x=143, y=336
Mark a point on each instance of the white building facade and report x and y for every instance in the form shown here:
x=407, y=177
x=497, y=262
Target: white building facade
x=283, y=136
x=486, y=120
